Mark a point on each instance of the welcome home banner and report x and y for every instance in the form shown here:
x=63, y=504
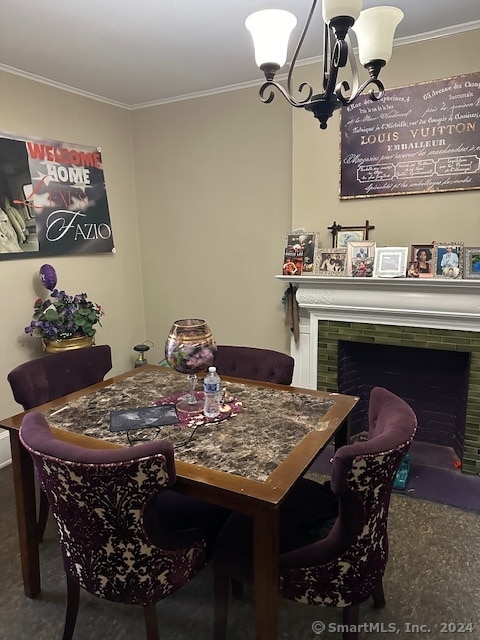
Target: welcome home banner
x=53, y=199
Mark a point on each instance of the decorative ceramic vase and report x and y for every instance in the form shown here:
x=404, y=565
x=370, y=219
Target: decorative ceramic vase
x=190, y=348
x=67, y=344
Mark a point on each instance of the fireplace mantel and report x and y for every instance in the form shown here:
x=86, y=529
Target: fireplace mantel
x=423, y=302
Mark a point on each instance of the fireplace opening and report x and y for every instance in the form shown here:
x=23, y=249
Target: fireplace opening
x=433, y=382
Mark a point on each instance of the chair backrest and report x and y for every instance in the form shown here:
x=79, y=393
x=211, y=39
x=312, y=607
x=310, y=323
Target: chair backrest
x=345, y=567
x=98, y=498
x=50, y=377
x=254, y=364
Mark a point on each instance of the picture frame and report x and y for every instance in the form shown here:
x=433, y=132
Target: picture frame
x=360, y=258
x=37, y=215
x=421, y=264
x=363, y=175
x=292, y=262
x=345, y=236
x=448, y=260
x=330, y=262
x=341, y=235
x=390, y=262
x=471, y=265
x=304, y=243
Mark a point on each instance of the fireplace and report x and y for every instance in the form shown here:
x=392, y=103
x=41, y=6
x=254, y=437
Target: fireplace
x=432, y=321
x=432, y=381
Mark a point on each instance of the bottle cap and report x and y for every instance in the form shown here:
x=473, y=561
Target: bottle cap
x=212, y=369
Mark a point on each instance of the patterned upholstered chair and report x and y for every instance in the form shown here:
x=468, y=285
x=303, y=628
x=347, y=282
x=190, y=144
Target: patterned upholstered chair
x=50, y=377
x=114, y=542
x=254, y=364
x=345, y=566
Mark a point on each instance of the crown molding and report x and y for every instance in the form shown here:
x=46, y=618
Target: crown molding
x=431, y=35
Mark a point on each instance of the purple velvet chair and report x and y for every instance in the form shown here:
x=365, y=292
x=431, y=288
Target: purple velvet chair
x=254, y=364
x=341, y=566
x=50, y=377
x=118, y=538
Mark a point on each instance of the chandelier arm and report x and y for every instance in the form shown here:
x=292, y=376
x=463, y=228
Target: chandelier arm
x=327, y=54
x=298, y=47
x=288, y=97
x=353, y=68
x=338, y=59
x=343, y=87
x=372, y=94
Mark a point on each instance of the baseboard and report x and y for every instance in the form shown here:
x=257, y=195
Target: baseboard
x=5, y=453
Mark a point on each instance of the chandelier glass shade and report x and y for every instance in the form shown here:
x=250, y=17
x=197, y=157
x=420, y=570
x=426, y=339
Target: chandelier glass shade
x=374, y=29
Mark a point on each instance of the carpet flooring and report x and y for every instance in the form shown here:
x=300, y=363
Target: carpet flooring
x=431, y=582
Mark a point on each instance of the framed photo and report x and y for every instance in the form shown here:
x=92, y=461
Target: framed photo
x=421, y=263
x=330, y=262
x=472, y=263
x=345, y=236
x=360, y=259
x=390, y=262
x=304, y=243
x=448, y=259
x=292, y=262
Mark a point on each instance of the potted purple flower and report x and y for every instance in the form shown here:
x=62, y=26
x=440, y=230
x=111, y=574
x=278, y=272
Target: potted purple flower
x=63, y=321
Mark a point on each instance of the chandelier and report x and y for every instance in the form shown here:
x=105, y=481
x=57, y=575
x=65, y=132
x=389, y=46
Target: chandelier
x=374, y=29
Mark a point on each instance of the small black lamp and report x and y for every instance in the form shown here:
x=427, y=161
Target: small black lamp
x=141, y=349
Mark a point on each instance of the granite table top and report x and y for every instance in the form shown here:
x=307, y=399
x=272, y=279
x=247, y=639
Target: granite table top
x=250, y=444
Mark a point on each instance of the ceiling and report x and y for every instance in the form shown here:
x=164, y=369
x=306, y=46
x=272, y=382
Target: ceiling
x=139, y=52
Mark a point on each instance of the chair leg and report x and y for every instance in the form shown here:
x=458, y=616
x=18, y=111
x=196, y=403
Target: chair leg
x=73, y=599
x=350, y=620
x=221, y=594
x=151, y=622
x=43, y=510
x=379, y=596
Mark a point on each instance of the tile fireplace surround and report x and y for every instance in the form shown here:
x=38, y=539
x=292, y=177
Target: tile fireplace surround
x=427, y=313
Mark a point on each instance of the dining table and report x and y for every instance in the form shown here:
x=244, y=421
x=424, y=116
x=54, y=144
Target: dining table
x=248, y=459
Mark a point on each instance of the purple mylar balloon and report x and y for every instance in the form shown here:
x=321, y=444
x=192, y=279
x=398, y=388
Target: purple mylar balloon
x=48, y=276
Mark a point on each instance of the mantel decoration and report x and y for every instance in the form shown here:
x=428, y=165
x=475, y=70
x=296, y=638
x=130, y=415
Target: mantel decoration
x=63, y=321
x=374, y=29
x=354, y=255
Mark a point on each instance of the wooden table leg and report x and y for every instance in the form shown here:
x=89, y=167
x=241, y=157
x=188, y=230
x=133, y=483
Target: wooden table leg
x=266, y=573
x=342, y=437
x=24, y=483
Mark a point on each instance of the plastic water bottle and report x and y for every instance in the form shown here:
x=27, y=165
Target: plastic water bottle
x=211, y=390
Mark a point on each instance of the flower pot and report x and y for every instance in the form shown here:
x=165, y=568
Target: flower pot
x=77, y=342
